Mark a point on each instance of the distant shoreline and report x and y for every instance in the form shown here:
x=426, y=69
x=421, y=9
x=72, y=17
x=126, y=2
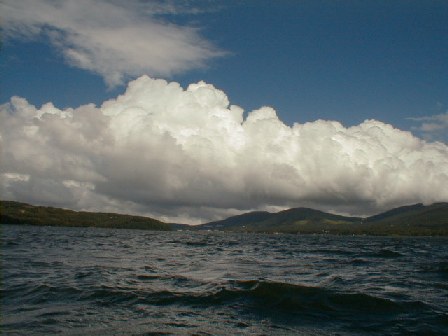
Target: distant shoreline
x=413, y=221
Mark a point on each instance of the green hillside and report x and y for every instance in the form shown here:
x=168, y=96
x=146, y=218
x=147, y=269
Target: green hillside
x=21, y=213
x=409, y=220
x=413, y=220
x=296, y=220
x=237, y=222
x=303, y=220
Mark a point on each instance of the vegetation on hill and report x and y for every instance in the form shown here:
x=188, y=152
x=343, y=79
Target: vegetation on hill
x=21, y=213
x=237, y=222
x=412, y=220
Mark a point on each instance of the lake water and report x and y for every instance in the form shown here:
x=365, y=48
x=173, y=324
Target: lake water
x=86, y=281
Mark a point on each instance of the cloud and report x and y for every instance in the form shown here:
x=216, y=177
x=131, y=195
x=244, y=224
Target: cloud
x=114, y=39
x=433, y=127
x=188, y=155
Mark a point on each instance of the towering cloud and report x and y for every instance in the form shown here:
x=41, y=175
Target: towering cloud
x=187, y=154
x=115, y=39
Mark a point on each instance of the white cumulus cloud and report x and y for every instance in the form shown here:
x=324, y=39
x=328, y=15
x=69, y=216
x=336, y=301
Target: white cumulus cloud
x=189, y=155
x=115, y=39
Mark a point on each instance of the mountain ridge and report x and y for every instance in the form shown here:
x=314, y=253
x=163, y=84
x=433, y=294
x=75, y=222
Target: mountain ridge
x=12, y=212
x=416, y=219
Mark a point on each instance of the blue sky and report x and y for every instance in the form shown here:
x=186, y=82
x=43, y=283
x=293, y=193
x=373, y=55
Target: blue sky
x=190, y=111
x=334, y=60
x=341, y=60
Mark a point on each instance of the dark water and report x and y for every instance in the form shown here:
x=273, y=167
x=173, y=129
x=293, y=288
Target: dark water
x=78, y=281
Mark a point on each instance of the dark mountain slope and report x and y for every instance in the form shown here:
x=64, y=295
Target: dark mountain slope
x=408, y=220
x=301, y=220
x=236, y=222
x=22, y=213
x=415, y=219
x=291, y=220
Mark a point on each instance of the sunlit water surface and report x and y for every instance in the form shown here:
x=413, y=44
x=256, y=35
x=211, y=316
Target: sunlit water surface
x=86, y=281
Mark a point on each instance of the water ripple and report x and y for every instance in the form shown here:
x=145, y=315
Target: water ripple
x=77, y=281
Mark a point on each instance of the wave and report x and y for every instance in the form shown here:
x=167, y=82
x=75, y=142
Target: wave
x=294, y=297
x=252, y=294
x=379, y=254
x=386, y=253
x=265, y=296
x=436, y=269
x=280, y=302
x=439, y=267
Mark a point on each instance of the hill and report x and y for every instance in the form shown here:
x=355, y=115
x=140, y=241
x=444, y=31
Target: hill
x=292, y=221
x=408, y=220
x=304, y=220
x=237, y=222
x=413, y=220
x=22, y=213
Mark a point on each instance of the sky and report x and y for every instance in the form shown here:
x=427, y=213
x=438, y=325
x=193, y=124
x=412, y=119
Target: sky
x=190, y=111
